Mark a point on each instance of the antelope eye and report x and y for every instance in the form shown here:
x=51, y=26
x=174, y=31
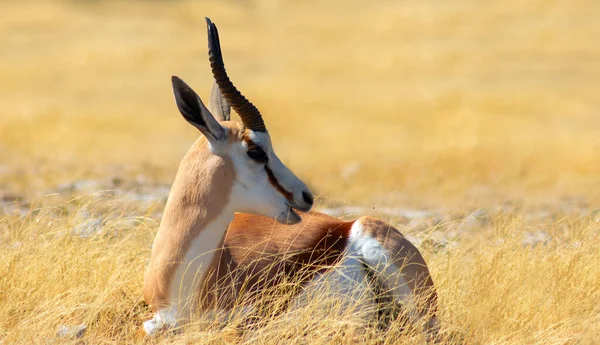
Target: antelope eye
x=258, y=155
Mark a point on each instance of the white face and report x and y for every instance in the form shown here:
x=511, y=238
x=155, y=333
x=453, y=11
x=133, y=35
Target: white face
x=264, y=185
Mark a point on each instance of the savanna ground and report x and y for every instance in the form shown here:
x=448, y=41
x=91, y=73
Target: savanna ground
x=472, y=126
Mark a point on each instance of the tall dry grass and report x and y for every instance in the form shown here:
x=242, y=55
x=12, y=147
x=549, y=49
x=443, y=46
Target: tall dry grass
x=451, y=106
x=494, y=287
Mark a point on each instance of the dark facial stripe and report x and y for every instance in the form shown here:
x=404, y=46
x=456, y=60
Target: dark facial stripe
x=272, y=179
x=275, y=183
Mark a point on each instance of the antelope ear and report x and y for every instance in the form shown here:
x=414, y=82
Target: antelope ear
x=218, y=105
x=193, y=110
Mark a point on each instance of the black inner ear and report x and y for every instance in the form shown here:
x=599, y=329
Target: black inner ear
x=188, y=103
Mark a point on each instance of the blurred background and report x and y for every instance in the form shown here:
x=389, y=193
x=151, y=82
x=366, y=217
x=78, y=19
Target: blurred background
x=422, y=103
x=471, y=126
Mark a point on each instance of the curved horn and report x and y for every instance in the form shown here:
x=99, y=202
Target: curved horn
x=251, y=117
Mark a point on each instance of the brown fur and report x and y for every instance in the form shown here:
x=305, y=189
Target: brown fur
x=259, y=252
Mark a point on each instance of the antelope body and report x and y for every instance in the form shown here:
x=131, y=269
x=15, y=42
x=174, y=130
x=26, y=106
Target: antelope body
x=238, y=220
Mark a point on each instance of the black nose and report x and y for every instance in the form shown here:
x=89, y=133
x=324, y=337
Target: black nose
x=307, y=198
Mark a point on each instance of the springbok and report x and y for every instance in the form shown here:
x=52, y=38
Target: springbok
x=217, y=237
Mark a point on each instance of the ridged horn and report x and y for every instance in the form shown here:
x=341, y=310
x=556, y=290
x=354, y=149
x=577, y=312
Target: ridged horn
x=250, y=115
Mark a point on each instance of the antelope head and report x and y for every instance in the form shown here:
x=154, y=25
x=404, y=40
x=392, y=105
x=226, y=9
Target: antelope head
x=262, y=184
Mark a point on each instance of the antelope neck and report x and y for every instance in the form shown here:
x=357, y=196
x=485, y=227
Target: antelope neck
x=196, y=215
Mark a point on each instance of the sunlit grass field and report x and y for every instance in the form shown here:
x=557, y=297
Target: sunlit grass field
x=472, y=126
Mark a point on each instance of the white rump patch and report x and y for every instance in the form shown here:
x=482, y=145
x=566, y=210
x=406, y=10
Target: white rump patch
x=348, y=281
x=372, y=252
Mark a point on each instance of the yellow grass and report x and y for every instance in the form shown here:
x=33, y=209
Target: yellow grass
x=443, y=105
